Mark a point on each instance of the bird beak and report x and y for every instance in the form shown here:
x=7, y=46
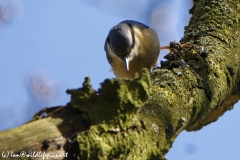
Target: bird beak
x=126, y=62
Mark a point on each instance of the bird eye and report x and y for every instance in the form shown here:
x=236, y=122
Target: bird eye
x=132, y=45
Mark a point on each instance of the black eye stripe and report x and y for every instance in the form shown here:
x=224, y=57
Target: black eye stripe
x=132, y=33
x=108, y=41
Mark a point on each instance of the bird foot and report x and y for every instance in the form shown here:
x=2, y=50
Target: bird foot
x=176, y=50
x=174, y=45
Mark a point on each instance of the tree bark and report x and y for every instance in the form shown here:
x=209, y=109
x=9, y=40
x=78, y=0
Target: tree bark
x=140, y=118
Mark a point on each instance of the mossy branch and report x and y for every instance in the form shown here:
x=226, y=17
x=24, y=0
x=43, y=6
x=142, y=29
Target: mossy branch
x=140, y=118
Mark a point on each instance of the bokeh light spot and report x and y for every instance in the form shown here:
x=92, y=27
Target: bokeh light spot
x=190, y=148
x=11, y=10
x=164, y=18
x=41, y=84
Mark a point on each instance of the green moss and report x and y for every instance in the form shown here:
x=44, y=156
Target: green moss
x=84, y=97
x=122, y=145
x=116, y=130
x=115, y=105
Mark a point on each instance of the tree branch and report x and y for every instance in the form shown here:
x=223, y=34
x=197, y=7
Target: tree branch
x=140, y=118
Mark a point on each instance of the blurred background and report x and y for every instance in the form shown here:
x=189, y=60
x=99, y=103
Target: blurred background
x=47, y=47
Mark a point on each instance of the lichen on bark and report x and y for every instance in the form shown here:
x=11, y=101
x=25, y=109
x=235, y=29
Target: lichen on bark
x=140, y=118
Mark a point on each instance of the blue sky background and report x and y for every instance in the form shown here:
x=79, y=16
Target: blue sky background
x=47, y=47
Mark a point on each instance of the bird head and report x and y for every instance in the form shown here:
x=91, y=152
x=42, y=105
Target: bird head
x=121, y=42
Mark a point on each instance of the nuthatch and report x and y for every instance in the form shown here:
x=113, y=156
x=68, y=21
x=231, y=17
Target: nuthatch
x=131, y=46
